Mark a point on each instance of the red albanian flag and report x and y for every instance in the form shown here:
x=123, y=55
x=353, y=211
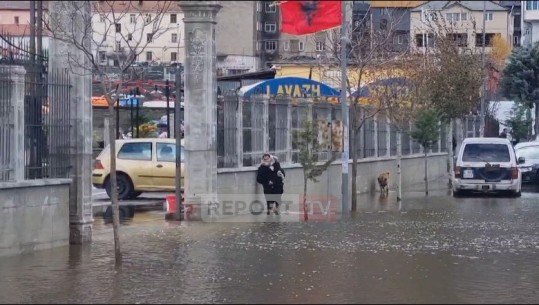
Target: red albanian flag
x=307, y=17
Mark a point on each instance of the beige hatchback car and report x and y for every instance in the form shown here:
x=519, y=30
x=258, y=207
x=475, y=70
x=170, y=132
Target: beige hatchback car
x=142, y=165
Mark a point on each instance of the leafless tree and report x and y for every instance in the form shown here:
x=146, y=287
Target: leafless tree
x=373, y=55
x=451, y=74
x=118, y=30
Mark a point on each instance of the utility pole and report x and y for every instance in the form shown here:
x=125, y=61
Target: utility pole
x=33, y=31
x=178, y=116
x=344, y=109
x=482, y=122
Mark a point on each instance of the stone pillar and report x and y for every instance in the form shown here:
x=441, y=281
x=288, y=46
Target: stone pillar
x=200, y=102
x=68, y=16
x=12, y=117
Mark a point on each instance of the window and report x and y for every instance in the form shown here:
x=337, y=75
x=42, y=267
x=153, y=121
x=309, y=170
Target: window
x=129, y=37
x=516, y=41
x=173, y=56
x=286, y=45
x=148, y=56
x=173, y=18
x=258, y=6
x=463, y=16
x=383, y=24
x=270, y=27
x=423, y=40
x=258, y=26
x=149, y=37
x=486, y=153
x=258, y=46
x=271, y=45
x=270, y=7
x=148, y=18
x=532, y=5
x=400, y=38
x=101, y=18
x=489, y=16
x=429, y=16
x=385, y=11
x=132, y=18
x=302, y=46
x=118, y=46
x=488, y=39
x=460, y=40
x=16, y=19
x=166, y=152
x=174, y=37
x=102, y=56
x=136, y=151
x=320, y=46
x=118, y=27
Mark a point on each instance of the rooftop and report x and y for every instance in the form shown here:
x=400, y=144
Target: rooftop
x=470, y=5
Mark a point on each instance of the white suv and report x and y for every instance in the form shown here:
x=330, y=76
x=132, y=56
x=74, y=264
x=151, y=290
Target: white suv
x=487, y=165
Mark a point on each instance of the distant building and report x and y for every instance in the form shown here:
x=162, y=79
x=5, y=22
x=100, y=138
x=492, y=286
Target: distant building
x=463, y=15
x=530, y=22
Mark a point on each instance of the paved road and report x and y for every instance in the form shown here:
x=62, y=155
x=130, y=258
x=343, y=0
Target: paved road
x=436, y=249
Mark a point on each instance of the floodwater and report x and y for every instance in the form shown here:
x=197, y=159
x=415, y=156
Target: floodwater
x=423, y=250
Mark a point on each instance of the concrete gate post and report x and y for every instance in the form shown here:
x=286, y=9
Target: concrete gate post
x=200, y=104
x=69, y=16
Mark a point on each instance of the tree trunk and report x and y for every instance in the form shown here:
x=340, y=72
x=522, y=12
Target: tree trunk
x=426, y=174
x=305, y=214
x=399, y=165
x=459, y=131
x=114, y=187
x=354, y=170
x=536, y=121
x=450, y=154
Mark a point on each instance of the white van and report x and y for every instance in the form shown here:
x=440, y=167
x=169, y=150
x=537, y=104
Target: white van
x=487, y=165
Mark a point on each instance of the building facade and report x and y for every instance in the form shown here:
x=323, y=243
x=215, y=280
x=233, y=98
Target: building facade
x=466, y=20
x=236, y=36
x=150, y=30
x=530, y=22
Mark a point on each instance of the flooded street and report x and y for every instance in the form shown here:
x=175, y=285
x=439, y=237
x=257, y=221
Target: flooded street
x=436, y=249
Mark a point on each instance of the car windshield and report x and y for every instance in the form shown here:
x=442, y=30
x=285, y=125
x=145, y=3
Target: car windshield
x=486, y=153
x=529, y=152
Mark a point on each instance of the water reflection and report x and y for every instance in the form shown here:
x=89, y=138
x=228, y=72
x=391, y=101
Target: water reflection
x=420, y=250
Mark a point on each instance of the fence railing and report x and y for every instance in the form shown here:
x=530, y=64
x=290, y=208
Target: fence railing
x=249, y=127
x=45, y=126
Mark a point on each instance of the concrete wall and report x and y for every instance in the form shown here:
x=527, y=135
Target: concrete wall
x=34, y=215
x=244, y=181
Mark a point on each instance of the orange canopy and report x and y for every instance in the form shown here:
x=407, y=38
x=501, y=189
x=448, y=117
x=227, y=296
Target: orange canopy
x=100, y=101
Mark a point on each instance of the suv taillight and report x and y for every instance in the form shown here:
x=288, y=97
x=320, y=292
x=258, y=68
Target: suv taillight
x=98, y=165
x=458, y=172
x=514, y=172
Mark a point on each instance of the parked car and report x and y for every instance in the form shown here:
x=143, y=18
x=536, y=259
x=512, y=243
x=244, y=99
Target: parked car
x=487, y=165
x=529, y=151
x=142, y=165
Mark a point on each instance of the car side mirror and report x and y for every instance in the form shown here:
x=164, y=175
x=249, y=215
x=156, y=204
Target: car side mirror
x=521, y=160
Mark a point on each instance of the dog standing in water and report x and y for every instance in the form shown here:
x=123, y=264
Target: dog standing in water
x=383, y=182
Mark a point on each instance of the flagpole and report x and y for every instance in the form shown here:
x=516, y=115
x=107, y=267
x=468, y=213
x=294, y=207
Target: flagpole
x=344, y=111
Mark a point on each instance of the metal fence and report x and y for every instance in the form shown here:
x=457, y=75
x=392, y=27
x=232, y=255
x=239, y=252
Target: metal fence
x=249, y=127
x=47, y=120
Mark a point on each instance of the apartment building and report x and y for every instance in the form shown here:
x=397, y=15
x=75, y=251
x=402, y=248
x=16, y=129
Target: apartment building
x=515, y=13
x=121, y=26
x=530, y=22
x=15, y=22
x=462, y=15
x=236, y=38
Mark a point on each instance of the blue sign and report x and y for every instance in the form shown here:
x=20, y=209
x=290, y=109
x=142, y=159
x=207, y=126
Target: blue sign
x=128, y=102
x=290, y=86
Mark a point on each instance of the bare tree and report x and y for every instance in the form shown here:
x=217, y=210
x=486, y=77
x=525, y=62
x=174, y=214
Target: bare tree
x=373, y=56
x=118, y=30
x=450, y=76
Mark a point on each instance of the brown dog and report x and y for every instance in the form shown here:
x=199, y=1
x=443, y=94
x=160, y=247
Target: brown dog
x=383, y=182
